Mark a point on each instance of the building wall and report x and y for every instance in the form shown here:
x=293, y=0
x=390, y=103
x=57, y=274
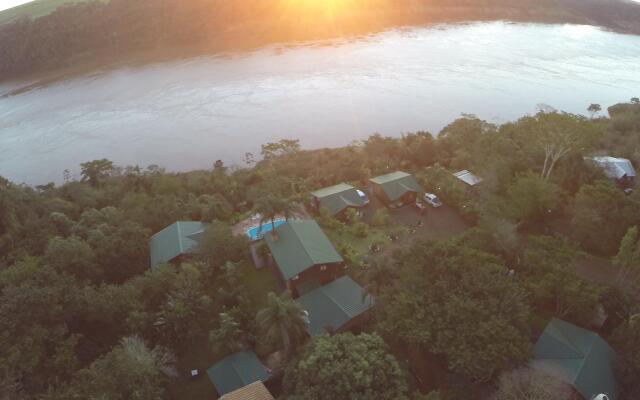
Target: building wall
x=407, y=198
x=317, y=273
x=380, y=193
x=355, y=323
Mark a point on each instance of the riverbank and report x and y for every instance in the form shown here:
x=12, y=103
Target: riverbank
x=292, y=30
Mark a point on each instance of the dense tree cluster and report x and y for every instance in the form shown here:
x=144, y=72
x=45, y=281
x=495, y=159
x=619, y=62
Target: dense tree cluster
x=346, y=366
x=83, y=316
x=459, y=303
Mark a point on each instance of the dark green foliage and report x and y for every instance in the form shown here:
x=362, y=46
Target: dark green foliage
x=548, y=268
x=131, y=370
x=219, y=245
x=532, y=200
x=74, y=275
x=282, y=323
x=95, y=171
x=346, y=366
x=626, y=341
x=459, y=303
x=36, y=344
x=601, y=216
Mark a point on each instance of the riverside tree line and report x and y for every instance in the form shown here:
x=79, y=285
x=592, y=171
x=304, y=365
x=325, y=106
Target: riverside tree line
x=99, y=30
x=83, y=316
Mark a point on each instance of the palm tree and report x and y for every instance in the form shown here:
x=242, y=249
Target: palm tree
x=159, y=358
x=228, y=335
x=270, y=207
x=266, y=206
x=284, y=321
x=286, y=208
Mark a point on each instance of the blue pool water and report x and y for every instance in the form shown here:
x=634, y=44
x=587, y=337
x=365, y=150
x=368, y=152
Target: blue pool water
x=255, y=233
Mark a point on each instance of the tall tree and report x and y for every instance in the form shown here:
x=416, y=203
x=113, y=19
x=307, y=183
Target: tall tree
x=530, y=199
x=626, y=340
x=131, y=370
x=459, y=303
x=346, y=366
x=547, y=269
x=228, y=335
x=594, y=109
x=95, y=171
x=602, y=213
x=283, y=322
x=628, y=257
x=554, y=136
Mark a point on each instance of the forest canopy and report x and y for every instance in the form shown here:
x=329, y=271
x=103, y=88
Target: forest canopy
x=83, y=316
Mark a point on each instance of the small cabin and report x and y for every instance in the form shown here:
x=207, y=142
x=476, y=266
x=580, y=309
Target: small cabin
x=579, y=357
x=236, y=372
x=336, y=307
x=396, y=189
x=175, y=242
x=338, y=199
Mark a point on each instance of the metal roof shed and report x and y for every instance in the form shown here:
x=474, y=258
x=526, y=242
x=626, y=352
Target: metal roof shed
x=615, y=168
x=467, y=177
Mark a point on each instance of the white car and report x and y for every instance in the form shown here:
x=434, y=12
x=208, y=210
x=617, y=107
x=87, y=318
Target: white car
x=432, y=199
x=363, y=196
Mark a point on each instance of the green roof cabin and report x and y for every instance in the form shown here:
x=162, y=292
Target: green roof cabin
x=237, y=371
x=303, y=254
x=396, y=189
x=338, y=199
x=175, y=241
x=579, y=357
x=335, y=307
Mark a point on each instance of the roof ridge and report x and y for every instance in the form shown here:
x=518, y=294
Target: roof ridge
x=238, y=374
x=179, y=229
x=297, y=236
x=571, y=343
x=594, y=337
x=334, y=300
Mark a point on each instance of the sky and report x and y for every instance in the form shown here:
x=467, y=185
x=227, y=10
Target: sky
x=4, y=4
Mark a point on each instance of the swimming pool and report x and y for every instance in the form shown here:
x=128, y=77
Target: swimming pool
x=256, y=234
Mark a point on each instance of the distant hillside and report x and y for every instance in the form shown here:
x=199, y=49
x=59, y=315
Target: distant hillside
x=35, y=9
x=85, y=32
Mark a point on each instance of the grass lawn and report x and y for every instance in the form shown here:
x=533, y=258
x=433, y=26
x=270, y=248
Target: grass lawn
x=35, y=9
x=345, y=235
x=198, y=354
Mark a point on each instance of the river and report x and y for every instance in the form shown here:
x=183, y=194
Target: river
x=185, y=114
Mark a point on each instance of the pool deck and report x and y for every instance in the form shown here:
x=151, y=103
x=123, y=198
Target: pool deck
x=242, y=227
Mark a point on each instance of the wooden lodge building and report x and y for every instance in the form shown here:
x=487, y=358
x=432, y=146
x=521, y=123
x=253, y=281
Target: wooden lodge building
x=304, y=256
x=396, y=189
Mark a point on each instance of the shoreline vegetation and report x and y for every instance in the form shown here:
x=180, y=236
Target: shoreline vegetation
x=83, y=316
x=92, y=36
